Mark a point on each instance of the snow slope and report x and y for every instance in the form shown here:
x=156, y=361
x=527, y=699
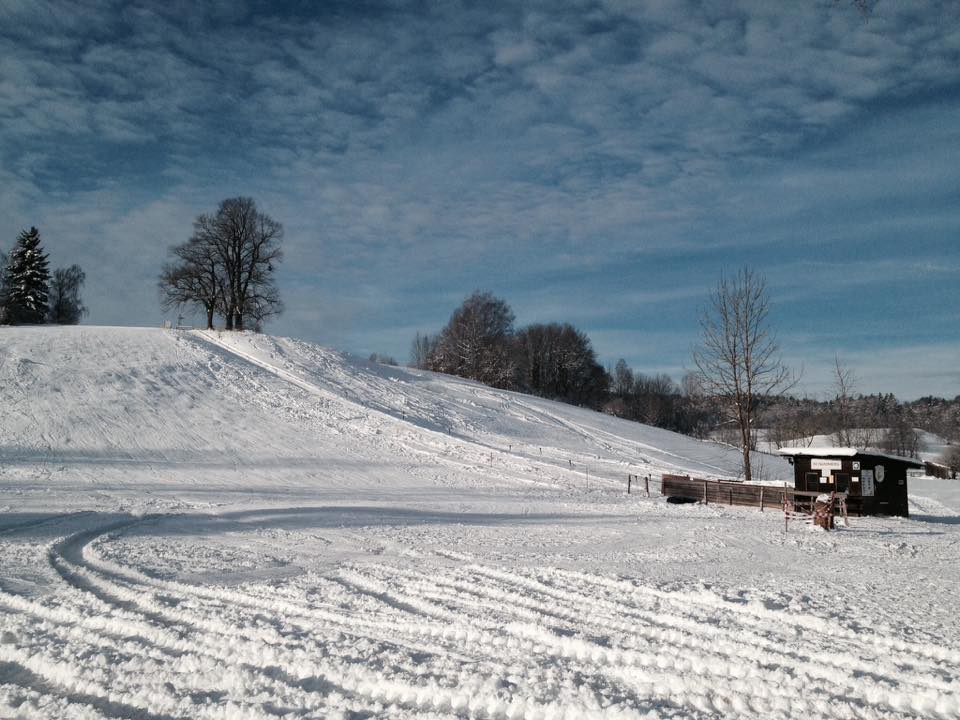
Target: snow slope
x=148, y=407
x=200, y=526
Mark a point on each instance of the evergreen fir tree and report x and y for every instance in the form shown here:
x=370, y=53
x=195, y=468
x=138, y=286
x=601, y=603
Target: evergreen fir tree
x=26, y=280
x=3, y=288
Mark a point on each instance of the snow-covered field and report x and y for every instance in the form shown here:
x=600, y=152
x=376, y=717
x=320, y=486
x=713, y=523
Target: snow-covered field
x=197, y=526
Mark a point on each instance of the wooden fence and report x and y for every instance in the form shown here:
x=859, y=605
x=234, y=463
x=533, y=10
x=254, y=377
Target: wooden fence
x=720, y=492
x=937, y=470
x=725, y=493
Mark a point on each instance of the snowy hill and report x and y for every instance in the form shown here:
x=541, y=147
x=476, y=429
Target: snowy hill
x=144, y=406
x=241, y=526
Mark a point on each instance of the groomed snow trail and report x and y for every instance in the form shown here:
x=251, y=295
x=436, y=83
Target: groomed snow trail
x=442, y=636
x=194, y=526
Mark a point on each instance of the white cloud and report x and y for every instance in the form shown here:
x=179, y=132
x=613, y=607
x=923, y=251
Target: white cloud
x=530, y=148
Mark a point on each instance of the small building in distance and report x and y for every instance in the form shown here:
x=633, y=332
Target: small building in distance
x=876, y=484
x=939, y=470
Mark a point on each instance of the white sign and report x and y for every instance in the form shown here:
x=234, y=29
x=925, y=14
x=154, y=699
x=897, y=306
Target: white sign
x=819, y=464
x=878, y=471
x=866, y=481
x=856, y=465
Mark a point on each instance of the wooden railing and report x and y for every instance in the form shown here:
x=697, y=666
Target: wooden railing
x=725, y=492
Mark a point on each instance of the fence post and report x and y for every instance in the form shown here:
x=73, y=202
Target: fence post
x=646, y=485
x=629, y=478
x=761, y=498
x=731, y=496
x=705, y=501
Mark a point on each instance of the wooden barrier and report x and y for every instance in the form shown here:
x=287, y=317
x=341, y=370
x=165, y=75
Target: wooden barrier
x=725, y=492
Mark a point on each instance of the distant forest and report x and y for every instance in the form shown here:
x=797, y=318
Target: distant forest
x=557, y=361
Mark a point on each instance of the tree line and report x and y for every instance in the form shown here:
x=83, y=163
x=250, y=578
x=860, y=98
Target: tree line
x=557, y=361
x=227, y=266
x=30, y=294
x=480, y=342
x=739, y=390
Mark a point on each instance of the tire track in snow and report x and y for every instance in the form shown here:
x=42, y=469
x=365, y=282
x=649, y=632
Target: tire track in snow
x=663, y=650
x=854, y=666
x=514, y=637
x=684, y=616
x=41, y=522
x=153, y=625
x=762, y=616
x=402, y=603
x=435, y=607
x=373, y=686
x=729, y=670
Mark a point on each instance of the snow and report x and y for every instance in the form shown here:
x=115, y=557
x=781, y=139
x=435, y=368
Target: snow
x=828, y=452
x=932, y=447
x=196, y=525
x=820, y=451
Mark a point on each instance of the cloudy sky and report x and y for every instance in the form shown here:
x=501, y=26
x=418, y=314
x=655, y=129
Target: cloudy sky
x=598, y=162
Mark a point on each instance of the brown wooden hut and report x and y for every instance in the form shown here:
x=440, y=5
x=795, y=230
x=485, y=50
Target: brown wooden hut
x=939, y=470
x=876, y=484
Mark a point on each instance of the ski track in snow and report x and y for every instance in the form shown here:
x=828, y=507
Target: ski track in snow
x=252, y=527
x=459, y=639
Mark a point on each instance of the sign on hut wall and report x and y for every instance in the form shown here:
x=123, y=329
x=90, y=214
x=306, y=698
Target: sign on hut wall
x=866, y=483
x=820, y=464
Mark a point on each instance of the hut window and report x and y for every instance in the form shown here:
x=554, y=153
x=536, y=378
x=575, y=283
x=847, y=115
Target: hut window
x=813, y=481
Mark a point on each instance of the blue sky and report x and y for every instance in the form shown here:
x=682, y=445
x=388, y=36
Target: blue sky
x=600, y=163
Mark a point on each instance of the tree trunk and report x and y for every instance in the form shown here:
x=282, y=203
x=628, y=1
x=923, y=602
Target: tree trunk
x=238, y=324
x=210, y=317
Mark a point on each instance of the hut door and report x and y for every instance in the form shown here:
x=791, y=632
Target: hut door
x=812, y=482
x=843, y=482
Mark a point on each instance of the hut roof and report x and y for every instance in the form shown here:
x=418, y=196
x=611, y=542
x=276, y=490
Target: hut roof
x=842, y=452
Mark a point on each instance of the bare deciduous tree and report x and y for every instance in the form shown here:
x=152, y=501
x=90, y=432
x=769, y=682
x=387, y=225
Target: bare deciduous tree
x=843, y=385
x=194, y=279
x=738, y=361
x=901, y=437
x=247, y=246
x=622, y=376
x=228, y=265
x=66, y=308
x=382, y=359
x=421, y=349
x=557, y=361
x=475, y=343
